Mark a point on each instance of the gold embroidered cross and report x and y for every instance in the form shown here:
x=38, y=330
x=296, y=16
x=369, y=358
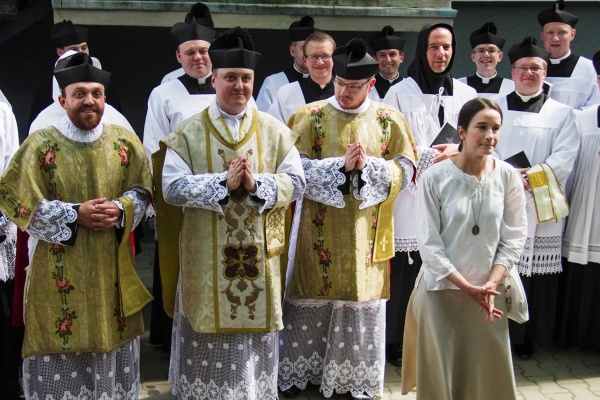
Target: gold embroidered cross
x=383, y=242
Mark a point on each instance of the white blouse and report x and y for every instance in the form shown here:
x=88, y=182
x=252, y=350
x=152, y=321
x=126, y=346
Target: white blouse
x=447, y=200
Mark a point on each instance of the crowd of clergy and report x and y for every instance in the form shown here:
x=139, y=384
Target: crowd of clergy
x=291, y=237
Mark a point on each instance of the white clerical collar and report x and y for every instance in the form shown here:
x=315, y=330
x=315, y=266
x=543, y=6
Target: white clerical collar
x=486, y=80
x=333, y=101
x=558, y=60
x=527, y=98
x=66, y=127
x=231, y=116
x=390, y=80
x=304, y=74
x=202, y=81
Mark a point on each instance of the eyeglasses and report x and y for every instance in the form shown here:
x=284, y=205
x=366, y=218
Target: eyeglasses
x=315, y=58
x=483, y=51
x=350, y=88
x=533, y=70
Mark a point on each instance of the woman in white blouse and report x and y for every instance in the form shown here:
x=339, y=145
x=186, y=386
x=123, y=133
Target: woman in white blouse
x=473, y=228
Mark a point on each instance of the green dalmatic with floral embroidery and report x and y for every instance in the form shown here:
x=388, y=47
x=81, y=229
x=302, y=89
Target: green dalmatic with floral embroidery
x=72, y=299
x=334, y=254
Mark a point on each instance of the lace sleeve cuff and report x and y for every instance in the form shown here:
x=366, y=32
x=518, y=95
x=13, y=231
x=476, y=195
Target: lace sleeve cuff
x=201, y=191
x=266, y=192
x=425, y=161
x=3, y=220
x=141, y=203
x=322, y=180
x=55, y=222
x=377, y=181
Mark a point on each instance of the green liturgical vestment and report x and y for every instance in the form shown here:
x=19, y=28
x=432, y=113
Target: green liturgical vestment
x=86, y=297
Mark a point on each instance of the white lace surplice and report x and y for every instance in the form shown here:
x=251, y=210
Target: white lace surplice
x=67, y=376
x=339, y=345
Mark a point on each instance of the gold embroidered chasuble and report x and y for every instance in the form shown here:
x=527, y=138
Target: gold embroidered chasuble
x=336, y=247
x=86, y=297
x=230, y=262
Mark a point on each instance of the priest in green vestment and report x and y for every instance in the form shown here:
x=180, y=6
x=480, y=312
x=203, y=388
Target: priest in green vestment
x=357, y=155
x=79, y=187
x=231, y=171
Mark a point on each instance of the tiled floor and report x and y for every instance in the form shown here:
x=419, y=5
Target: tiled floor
x=552, y=373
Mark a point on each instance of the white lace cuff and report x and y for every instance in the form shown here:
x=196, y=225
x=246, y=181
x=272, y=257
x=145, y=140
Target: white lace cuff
x=201, y=191
x=377, y=181
x=3, y=220
x=141, y=204
x=425, y=161
x=53, y=222
x=322, y=180
x=266, y=190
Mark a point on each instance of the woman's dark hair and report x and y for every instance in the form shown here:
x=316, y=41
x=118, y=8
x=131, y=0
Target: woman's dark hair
x=471, y=108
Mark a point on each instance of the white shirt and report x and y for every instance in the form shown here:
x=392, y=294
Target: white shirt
x=445, y=202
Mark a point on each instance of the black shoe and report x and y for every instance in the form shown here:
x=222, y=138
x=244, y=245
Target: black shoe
x=291, y=392
x=524, y=351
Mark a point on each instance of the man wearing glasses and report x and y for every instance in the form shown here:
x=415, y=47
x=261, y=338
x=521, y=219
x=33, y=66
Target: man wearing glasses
x=545, y=131
x=299, y=31
x=486, y=54
x=318, y=49
x=357, y=155
x=572, y=76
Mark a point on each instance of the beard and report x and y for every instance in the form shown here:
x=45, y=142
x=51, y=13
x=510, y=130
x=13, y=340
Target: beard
x=85, y=121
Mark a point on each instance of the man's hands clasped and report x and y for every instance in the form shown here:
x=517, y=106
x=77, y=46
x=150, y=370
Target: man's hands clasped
x=240, y=173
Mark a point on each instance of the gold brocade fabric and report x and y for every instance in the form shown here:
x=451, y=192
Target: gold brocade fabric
x=72, y=301
x=231, y=278
x=334, y=254
x=548, y=196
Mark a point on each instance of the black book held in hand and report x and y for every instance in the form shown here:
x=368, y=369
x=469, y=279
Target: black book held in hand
x=519, y=160
x=448, y=135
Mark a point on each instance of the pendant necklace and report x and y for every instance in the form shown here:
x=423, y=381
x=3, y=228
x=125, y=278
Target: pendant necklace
x=475, y=229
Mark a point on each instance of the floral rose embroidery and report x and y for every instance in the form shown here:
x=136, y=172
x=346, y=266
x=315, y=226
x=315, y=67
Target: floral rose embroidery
x=64, y=285
x=56, y=248
x=123, y=152
x=324, y=256
x=324, y=291
x=384, y=113
x=319, y=218
x=121, y=324
x=318, y=142
x=64, y=325
x=368, y=258
x=22, y=211
x=384, y=146
x=374, y=222
x=315, y=110
x=48, y=159
x=124, y=155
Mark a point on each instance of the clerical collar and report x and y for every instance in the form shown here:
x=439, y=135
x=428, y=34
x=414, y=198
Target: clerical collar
x=486, y=80
x=66, y=127
x=363, y=107
x=231, y=116
x=202, y=81
x=304, y=75
x=558, y=60
x=525, y=99
x=390, y=80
